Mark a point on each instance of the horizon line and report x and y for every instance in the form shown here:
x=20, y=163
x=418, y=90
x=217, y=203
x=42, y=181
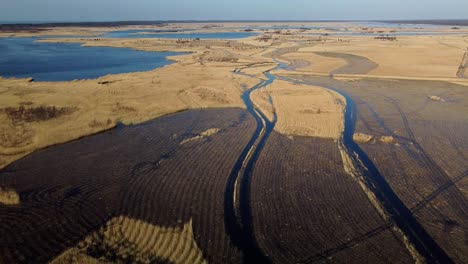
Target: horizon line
x=226, y=21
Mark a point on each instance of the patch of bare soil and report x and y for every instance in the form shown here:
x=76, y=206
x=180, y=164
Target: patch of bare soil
x=295, y=64
x=355, y=64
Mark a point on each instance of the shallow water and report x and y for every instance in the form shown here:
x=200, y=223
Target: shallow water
x=178, y=35
x=23, y=57
x=238, y=215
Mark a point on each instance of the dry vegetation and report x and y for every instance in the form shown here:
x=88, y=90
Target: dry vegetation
x=126, y=240
x=303, y=110
x=463, y=68
x=419, y=56
x=9, y=197
x=204, y=78
x=202, y=135
x=58, y=115
x=23, y=114
x=362, y=138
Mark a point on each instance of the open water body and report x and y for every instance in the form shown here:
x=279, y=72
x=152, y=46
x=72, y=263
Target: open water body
x=23, y=57
x=185, y=34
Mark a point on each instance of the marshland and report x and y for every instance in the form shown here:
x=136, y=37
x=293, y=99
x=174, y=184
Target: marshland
x=234, y=142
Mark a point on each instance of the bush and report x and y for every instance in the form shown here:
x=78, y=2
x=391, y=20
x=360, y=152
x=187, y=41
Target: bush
x=34, y=114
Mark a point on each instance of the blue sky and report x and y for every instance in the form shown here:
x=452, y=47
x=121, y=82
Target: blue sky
x=111, y=10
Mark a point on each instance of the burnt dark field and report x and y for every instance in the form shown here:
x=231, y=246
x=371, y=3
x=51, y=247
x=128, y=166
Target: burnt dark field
x=425, y=162
x=306, y=208
x=71, y=190
x=156, y=192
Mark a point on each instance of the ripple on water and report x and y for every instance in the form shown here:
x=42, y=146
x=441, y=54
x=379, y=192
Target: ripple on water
x=23, y=57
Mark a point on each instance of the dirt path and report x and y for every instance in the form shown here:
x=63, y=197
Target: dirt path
x=462, y=72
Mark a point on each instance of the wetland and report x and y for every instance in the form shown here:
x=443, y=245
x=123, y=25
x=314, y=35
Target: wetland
x=211, y=143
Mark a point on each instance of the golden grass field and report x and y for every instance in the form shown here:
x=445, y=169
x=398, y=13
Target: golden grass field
x=204, y=79
x=303, y=110
x=124, y=236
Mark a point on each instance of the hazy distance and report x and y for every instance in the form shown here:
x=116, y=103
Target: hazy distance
x=113, y=10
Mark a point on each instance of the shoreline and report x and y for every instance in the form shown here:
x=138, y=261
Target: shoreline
x=221, y=58
x=218, y=73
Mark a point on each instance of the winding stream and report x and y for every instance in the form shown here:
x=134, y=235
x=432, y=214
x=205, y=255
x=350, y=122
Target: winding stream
x=237, y=210
x=238, y=214
x=399, y=214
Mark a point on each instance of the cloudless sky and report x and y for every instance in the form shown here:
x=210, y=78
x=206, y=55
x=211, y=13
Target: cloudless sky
x=112, y=10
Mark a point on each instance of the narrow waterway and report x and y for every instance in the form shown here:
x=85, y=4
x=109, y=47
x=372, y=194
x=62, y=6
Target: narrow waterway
x=238, y=212
x=399, y=214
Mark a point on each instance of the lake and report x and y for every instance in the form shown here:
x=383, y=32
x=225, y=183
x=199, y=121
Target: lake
x=22, y=57
x=178, y=35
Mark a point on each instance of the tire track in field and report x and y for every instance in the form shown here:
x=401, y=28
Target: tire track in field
x=398, y=213
x=440, y=187
x=438, y=175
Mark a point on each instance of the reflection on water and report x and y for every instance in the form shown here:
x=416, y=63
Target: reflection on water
x=23, y=57
x=177, y=35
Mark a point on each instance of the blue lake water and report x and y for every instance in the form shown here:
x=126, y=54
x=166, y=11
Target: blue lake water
x=178, y=35
x=22, y=57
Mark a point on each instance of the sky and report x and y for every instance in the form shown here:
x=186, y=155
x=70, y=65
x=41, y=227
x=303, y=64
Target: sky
x=119, y=10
